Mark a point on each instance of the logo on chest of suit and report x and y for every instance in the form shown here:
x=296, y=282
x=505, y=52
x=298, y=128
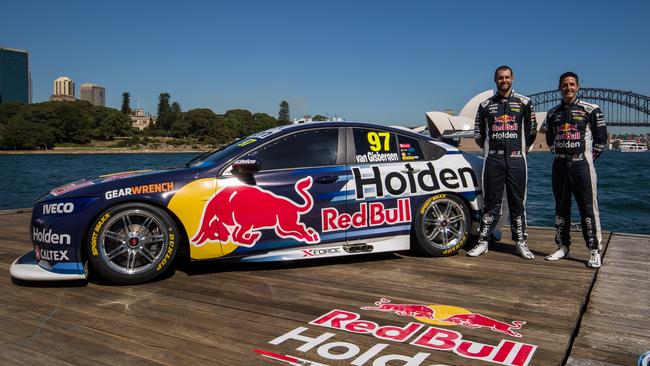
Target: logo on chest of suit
x=568, y=131
x=504, y=123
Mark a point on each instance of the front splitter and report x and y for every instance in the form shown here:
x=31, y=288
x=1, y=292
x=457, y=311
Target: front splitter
x=26, y=268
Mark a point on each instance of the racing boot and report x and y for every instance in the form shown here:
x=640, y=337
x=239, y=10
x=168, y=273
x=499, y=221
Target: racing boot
x=480, y=248
x=524, y=252
x=561, y=252
x=594, y=259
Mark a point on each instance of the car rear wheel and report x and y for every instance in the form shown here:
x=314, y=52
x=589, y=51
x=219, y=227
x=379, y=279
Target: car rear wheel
x=132, y=243
x=441, y=225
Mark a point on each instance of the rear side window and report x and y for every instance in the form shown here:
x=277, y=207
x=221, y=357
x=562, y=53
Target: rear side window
x=409, y=148
x=298, y=150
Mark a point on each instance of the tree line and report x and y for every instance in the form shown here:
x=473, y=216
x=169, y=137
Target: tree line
x=44, y=125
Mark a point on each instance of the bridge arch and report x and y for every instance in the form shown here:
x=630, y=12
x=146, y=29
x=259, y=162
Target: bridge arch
x=621, y=108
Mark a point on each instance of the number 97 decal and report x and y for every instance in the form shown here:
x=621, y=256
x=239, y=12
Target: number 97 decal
x=375, y=140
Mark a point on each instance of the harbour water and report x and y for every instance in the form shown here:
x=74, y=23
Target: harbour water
x=623, y=182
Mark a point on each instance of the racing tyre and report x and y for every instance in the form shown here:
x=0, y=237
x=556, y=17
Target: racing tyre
x=441, y=225
x=132, y=243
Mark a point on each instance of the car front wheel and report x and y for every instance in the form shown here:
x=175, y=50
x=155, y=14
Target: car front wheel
x=441, y=225
x=132, y=243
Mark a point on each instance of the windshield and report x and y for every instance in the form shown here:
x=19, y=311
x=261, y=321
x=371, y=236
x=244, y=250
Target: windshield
x=233, y=148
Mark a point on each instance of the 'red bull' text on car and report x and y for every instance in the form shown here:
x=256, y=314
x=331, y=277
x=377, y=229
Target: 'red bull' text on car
x=293, y=192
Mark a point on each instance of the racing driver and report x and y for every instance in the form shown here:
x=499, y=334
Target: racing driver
x=505, y=128
x=576, y=134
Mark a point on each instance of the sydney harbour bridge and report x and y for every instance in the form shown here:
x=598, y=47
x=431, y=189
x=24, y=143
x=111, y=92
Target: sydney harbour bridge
x=621, y=108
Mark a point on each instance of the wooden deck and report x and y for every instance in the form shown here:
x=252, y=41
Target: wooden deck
x=215, y=313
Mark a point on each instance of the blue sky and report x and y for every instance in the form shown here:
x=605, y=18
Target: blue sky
x=380, y=61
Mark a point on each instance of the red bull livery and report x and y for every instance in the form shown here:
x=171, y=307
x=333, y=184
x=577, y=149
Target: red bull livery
x=292, y=192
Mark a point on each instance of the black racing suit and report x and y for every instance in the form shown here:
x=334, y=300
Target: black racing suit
x=505, y=128
x=577, y=134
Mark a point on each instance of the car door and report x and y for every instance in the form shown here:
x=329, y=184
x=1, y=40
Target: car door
x=300, y=174
x=381, y=193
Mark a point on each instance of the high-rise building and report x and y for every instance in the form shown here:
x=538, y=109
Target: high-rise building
x=63, y=90
x=14, y=76
x=92, y=93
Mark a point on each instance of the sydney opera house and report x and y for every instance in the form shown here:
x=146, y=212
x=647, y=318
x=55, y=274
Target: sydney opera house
x=441, y=122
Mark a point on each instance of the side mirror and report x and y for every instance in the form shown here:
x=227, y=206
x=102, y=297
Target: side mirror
x=245, y=167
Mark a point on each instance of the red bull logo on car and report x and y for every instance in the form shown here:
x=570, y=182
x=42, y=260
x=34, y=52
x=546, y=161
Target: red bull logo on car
x=440, y=314
x=504, y=123
x=369, y=214
x=230, y=216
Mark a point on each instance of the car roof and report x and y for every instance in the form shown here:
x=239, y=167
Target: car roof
x=309, y=125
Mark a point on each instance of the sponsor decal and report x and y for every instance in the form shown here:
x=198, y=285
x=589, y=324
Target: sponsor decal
x=245, y=162
x=440, y=314
x=322, y=251
x=168, y=254
x=58, y=208
x=503, y=135
x=239, y=221
x=568, y=131
x=398, y=182
x=291, y=360
x=51, y=255
x=49, y=237
x=488, y=219
x=116, y=176
x=247, y=142
x=95, y=234
x=141, y=189
x=369, y=214
x=424, y=339
x=71, y=187
x=377, y=157
x=565, y=144
x=504, y=123
x=559, y=221
x=515, y=154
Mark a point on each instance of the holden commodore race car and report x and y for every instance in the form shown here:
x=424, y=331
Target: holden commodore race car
x=293, y=192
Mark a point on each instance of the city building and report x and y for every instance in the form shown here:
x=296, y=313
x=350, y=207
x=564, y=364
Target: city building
x=92, y=93
x=141, y=119
x=64, y=90
x=15, y=79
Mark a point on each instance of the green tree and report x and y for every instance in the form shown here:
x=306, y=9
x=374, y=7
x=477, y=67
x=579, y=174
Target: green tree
x=283, y=115
x=263, y=121
x=21, y=134
x=163, y=112
x=126, y=103
x=108, y=123
x=319, y=118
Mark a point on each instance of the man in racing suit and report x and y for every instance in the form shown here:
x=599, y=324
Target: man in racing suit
x=505, y=128
x=576, y=134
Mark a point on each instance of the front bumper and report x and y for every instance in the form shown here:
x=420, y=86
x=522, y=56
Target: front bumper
x=26, y=268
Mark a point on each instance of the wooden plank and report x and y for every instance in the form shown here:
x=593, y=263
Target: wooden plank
x=614, y=329
x=218, y=313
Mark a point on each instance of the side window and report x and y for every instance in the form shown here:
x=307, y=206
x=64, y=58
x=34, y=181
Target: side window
x=374, y=146
x=409, y=148
x=301, y=149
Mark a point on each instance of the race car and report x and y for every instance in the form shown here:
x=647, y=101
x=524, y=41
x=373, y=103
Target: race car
x=293, y=192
